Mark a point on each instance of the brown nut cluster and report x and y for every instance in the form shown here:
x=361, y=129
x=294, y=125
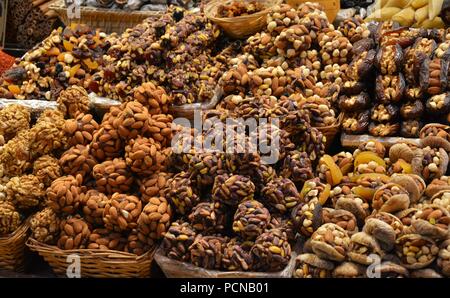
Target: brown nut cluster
x=334, y=47
x=154, y=220
x=177, y=241
x=130, y=120
x=433, y=75
x=145, y=156
x=304, y=217
x=77, y=160
x=331, y=242
x=73, y=101
x=63, y=195
x=354, y=29
x=45, y=226
x=93, y=204
x=48, y=135
x=416, y=251
x=320, y=111
x=104, y=239
x=180, y=192
x=10, y=218
x=47, y=169
x=271, y=251
x=390, y=198
x=207, y=251
x=13, y=119
x=112, y=176
x=438, y=104
x=309, y=265
x=15, y=156
x=81, y=129
x=75, y=233
x=356, y=122
x=153, y=185
x=232, y=189
x=236, y=256
x=382, y=113
x=431, y=221
x=384, y=129
x=443, y=260
x=297, y=167
x=363, y=248
x=208, y=217
x=160, y=129
x=136, y=245
x=122, y=212
x=153, y=97
x=280, y=194
x=251, y=219
x=25, y=192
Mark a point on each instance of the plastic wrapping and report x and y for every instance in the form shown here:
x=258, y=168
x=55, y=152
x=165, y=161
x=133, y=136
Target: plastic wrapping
x=176, y=269
x=36, y=106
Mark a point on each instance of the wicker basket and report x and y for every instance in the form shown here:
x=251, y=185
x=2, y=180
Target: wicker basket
x=95, y=263
x=330, y=132
x=108, y=20
x=12, y=249
x=331, y=7
x=241, y=26
x=177, y=269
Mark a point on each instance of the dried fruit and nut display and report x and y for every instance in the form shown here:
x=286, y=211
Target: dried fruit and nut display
x=136, y=181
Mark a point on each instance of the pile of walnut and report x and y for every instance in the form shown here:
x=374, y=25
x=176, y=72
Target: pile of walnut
x=377, y=205
x=28, y=161
x=67, y=57
x=179, y=51
x=410, y=67
x=298, y=55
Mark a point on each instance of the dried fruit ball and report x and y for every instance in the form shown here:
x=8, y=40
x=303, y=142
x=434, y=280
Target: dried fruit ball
x=208, y=217
x=180, y=193
x=13, y=119
x=10, y=218
x=154, y=220
x=177, y=241
x=112, y=176
x=153, y=97
x=73, y=101
x=77, y=160
x=81, y=129
x=46, y=168
x=93, y=203
x=63, y=195
x=121, y=212
x=75, y=233
x=251, y=219
x=271, y=251
x=25, y=191
x=153, y=186
x=232, y=189
x=45, y=226
x=145, y=156
x=104, y=239
x=281, y=194
x=207, y=251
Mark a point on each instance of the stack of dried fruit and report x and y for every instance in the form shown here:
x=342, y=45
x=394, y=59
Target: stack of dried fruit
x=67, y=57
x=298, y=56
x=179, y=51
x=372, y=205
x=410, y=84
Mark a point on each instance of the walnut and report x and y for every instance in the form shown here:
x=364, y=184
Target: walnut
x=14, y=118
x=15, y=156
x=25, y=191
x=46, y=168
x=45, y=226
x=11, y=219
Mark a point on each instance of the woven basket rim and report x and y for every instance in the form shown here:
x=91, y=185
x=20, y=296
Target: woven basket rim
x=37, y=246
x=19, y=232
x=59, y=6
x=209, y=11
